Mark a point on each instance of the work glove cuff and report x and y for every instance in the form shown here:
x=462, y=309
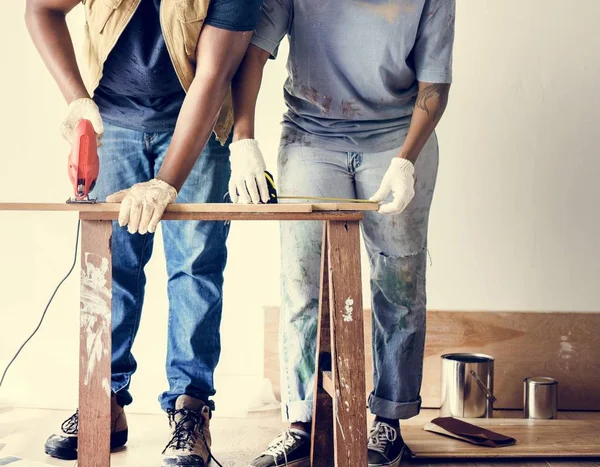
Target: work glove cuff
x=401, y=165
x=166, y=187
x=82, y=109
x=244, y=146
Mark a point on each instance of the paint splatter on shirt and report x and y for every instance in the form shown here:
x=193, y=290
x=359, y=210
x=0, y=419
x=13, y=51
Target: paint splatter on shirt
x=353, y=66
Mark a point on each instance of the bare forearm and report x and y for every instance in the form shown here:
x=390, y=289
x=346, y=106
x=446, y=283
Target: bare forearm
x=245, y=88
x=431, y=103
x=47, y=27
x=218, y=56
x=194, y=126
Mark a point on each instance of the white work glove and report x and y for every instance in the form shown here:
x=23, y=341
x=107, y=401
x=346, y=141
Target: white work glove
x=247, y=183
x=143, y=205
x=399, y=180
x=82, y=109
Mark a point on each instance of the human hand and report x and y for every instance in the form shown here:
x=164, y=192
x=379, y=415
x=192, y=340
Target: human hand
x=143, y=205
x=82, y=109
x=398, y=180
x=247, y=183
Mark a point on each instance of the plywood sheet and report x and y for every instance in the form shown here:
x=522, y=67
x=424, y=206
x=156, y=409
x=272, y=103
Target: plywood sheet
x=565, y=346
x=535, y=438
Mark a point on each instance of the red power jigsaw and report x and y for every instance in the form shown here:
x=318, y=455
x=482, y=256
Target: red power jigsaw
x=83, y=162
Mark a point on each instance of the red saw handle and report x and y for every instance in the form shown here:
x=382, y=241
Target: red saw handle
x=83, y=160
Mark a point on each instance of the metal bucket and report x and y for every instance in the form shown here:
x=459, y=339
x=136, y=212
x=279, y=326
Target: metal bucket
x=467, y=385
x=540, y=398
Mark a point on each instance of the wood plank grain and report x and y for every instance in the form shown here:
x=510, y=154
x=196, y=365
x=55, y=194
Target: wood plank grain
x=564, y=345
x=95, y=344
x=580, y=462
x=573, y=463
x=321, y=453
x=535, y=438
x=111, y=208
x=242, y=216
x=328, y=383
x=347, y=344
x=345, y=206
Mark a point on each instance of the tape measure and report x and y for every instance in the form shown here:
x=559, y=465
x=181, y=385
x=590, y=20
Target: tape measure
x=273, y=197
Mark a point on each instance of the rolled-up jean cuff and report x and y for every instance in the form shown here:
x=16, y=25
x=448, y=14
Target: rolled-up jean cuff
x=393, y=410
x=297, y=412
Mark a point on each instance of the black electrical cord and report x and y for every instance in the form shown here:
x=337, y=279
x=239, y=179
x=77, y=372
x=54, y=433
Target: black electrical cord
x=47, y=306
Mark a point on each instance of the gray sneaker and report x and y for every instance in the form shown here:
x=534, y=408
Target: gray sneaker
x=290, y=449
x=386, y=447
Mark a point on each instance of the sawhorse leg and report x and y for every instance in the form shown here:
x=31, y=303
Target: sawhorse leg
x=95, y=344
x=340, y=403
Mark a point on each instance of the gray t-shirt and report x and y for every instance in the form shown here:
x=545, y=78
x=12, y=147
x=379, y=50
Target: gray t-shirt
x=353, y=66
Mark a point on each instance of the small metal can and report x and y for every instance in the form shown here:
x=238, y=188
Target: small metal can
x=540, y=398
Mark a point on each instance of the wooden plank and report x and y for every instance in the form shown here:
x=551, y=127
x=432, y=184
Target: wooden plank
x=535, y=438
x=95, y=344
x=347, y=344
x=321, y=452
x=565, y=346
x=572, y=463
x=328, y=383
x=241, y=216
x=345, y=206
x=580, y=462
x=111, y=208
x=533, y=339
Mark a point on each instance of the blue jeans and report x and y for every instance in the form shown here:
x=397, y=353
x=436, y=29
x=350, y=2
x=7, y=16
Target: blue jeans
x=397, y=249
x=195, y=255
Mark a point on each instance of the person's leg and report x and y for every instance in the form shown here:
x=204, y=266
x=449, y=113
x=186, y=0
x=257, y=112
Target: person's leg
x=196, y=254
x=397, y=249
x=124, y=161
x=303, y=171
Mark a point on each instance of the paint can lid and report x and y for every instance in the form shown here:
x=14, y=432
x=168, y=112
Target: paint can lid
x=468, y=357
x=540, y=380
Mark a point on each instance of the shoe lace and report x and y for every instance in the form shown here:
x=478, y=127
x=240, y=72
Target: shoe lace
x=185, y=433
x=71, y=425
x=380, y=436
x=186, y=430
x=280, y=445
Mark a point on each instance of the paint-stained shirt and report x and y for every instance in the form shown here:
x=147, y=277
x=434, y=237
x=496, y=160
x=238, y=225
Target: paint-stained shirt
x=353, y=66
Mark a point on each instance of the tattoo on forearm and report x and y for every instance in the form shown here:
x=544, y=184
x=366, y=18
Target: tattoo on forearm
x=438, y=95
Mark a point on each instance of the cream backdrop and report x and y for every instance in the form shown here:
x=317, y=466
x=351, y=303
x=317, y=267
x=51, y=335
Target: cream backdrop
x=514, y=225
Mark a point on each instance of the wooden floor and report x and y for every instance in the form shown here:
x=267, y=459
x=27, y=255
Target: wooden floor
x=236, y=441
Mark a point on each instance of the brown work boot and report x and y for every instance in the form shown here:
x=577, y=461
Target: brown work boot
x=190, y=441
x=64, y=444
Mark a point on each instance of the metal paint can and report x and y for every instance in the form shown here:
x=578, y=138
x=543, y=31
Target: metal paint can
x=467, y=385
x=540, y=398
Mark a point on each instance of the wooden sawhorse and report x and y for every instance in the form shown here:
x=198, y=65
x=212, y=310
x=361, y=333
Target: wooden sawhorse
x=339, y=412
x=339, y=416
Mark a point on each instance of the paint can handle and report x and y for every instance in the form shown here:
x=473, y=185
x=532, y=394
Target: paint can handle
x=483, y=387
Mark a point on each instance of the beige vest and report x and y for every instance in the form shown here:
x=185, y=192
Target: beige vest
x=181, y=22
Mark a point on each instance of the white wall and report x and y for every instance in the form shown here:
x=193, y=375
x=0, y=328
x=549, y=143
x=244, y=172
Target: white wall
x=514, y=224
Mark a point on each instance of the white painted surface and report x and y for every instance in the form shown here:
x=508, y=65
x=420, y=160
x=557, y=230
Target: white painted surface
x=348, y=310
x=95, y=312
x=514, y=223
